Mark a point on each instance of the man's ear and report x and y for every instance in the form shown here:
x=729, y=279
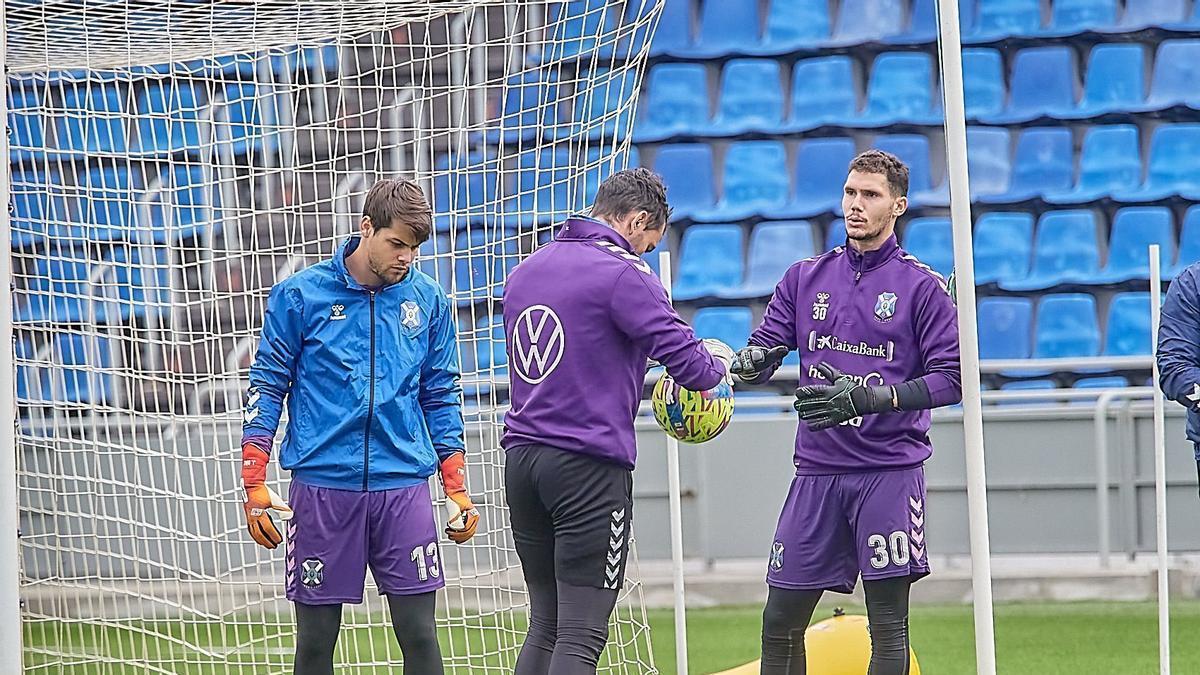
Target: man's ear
x=365, y=227
x=900, y=206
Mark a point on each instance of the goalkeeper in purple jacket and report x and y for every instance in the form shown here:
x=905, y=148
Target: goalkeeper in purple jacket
x=878, y=343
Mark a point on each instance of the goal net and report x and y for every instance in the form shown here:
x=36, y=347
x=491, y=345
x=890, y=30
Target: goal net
x=169, y=162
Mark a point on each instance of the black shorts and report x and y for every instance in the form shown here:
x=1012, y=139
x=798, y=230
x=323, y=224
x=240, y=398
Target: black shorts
x=571, y=516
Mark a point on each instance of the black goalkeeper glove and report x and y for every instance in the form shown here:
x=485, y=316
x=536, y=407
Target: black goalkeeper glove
x=822, y=406
x=749, y=363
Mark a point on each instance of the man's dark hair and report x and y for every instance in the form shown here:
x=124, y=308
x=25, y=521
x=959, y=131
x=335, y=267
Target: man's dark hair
x=632, y=190
x=878, y=161
x=400, y=200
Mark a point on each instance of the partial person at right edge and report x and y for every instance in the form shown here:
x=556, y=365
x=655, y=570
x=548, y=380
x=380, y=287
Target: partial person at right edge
x=1179, y=349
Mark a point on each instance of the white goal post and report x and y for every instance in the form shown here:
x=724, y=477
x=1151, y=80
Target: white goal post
x=168, y=163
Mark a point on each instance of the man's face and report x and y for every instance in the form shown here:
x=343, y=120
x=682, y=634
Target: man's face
x=871, y=209
x=391, y=251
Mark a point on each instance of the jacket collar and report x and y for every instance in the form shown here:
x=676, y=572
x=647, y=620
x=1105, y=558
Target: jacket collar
x=872, y=259
x=339, y=264
x=582, y=228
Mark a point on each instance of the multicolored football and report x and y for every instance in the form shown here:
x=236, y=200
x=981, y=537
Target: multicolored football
x=691, y=416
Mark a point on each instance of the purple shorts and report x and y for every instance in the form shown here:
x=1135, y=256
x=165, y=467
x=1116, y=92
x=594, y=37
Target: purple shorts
x=335, y=534
x=835, y=527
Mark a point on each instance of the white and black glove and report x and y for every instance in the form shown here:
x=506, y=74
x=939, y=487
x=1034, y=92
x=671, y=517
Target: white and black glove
x=751, y=362
x=723, y=353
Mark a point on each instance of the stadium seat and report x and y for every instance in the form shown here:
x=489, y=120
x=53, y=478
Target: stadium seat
x=1043, y=85
x=58, y=291
x=25, y=122
x=92, y=119
x=751, y=97
x=544, y=186
x=922, y=22
x=1128, y=328
x=824, y=91
x=931, y=241
x=482, y=256
x=674, y=32
x=1133, y=230
x=1072, y=17
x=1189, y=243
x=1102, y=382
x=835, y=234
x=38, y=202
x=530, y=105
x=820, y=166
x=1066, y=326
x=988, y=161
x=489, y=341
x=1003, y=18
x=1176, y=73
x=1174, y=165
x=596, y=170
x=755, y=180
x=687, y=171
x=1110, y=162
x=730, y=325
x=983, y=83
x=710, y=261
x=434, y=259
x=250, y=115
x=794, y=24
x=188, y=204
x=1150, y=13
x=139, y=283
x=774, y=247
x=1043, y=162
x=1003, y=247
x=604, y=110
x=464, y=185
x=1115, y=81
x=580, y=29
x=107, y=211
x=676, y=102
x=901, y=90
x=726, y=27
x=169, y=118
x=1027, y=385
x=1005, y=328
x=862, y=21
x=86, y=374
x=1065, y=251
x=913, y=150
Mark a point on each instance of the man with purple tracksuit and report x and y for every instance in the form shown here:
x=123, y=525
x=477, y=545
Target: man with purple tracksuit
x=878, y=341
x=581, y=315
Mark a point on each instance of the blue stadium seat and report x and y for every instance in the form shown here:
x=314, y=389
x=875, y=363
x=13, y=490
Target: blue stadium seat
x=1027, y=385
x=1174, y=165
x=544, y=186
x=674, y=33
x=710, y=261
x=58, y=292
x=1044, y=162
x=774, y=247
x=726, y=27
x=1189, y=243
x=92, y=119
x=1103, y=382
x=922, y=22
x=169, y=118
x=580, y=29
x=86, y=375
x=820, y=166
x=901, y=90
x=251, y=118
x=1003, y=247
x=1066, y=326
x=482, y=256
x=932, y=242
x=434, y=260
x=25, y=122
x=1110, y=162
x=1043, y=85
x=38, y=202
x=1133, y=230
x=1115, y=81
x=597, y=170
x=687, y=171
x=1065, y=251
x=835, y=234
x=1002, y=18
x=464, y=186
x=189, y=204
x=730, y=325
x=862, y=21
x=824, y=91
x=751, y=97
x=1005, y=328
x=605, y=110
x=1176, y=73
x=676, y=102
x=913, y=150
x=107, y=210
x=988, y=161
x=983, y=82
x=1128, y=328
x=1151, y=13
x=1072, y=17
x=755, y=180
x=141, y=281
x=530, y=105
x=794, y=24
x=490, y=354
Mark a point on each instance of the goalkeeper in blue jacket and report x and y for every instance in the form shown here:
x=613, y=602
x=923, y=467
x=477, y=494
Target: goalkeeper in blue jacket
x=1179, y=349
x=362, y=349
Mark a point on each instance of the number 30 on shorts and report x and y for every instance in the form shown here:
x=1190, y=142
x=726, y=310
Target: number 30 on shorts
x=889, y=550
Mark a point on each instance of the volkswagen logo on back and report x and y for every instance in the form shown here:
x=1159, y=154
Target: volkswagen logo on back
x=538, y=343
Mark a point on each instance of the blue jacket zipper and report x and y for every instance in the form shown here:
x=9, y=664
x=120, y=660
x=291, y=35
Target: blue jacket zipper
x=370, y=401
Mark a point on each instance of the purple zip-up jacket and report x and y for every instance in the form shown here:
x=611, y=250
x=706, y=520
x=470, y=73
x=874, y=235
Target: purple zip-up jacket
x=883, y=317
x=580, y=317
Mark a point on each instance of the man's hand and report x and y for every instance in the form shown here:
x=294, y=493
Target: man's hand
x=464, y=518
x=723, y=353
x=751, y=362
x=260, y=498
x=822, y=406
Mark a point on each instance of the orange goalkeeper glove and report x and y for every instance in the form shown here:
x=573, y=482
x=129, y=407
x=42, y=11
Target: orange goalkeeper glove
x=260, y=498
x=464, y=518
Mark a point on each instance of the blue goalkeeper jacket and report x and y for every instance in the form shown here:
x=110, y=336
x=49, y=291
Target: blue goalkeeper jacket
x=1179, y=347
x=370, y=378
